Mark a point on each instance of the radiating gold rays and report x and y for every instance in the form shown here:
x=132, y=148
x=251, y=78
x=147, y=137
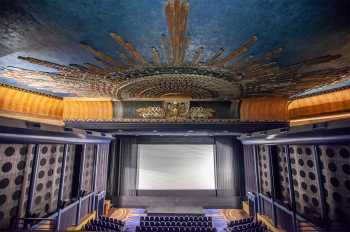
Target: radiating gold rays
x=104, y=58
x=136, y=56
x=176, y=12
x=171, y=60
x=232, y=55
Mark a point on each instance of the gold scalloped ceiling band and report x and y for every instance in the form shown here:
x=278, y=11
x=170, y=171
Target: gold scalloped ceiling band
x=259, y=109
x=26, y=105
x=88, y=110
x=23, y=102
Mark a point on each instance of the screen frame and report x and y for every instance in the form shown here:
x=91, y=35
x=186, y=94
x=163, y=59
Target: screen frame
x=163, y=140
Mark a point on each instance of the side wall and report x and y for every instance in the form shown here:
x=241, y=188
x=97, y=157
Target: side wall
x=58, y=180
x=320, y=184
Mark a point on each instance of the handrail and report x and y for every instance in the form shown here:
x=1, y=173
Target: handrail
x=305, y=225
x=308, y=226
x=71, y=205
x=88, y=196
x=34, y=224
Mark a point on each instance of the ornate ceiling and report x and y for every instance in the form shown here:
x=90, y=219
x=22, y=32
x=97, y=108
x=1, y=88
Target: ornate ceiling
x=176, y=65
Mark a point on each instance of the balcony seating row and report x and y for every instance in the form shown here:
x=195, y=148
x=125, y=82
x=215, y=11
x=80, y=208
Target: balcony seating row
x=177, y=223
x=104, y=224
x=240, y=222
x=174, y=229
x=175, y=218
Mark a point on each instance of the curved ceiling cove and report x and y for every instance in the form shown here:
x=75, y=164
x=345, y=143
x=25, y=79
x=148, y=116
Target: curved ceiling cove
x=179, y=48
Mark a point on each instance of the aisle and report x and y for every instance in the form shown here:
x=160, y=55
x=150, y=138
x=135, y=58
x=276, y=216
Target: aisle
x=130, y=216
x=218, y=219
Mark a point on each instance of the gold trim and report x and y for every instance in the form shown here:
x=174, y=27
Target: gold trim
x=31, y=118
x=268, y=223
x=319, y=119
x=87, y=99
x=83, y=222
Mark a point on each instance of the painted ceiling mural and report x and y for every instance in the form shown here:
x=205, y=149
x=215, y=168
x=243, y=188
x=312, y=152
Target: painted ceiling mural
x=199, y=49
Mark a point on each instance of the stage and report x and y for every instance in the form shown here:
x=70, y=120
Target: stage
x=174, y=210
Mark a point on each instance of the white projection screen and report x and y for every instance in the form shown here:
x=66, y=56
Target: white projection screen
x=176, y=167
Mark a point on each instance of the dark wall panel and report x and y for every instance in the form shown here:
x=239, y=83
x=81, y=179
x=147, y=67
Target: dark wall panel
x=229, y=172
x=86, y=206
x=113, y=169
x=176, y=201
x=266, y=208
x=68, y=216
x=128, y=166
x=249, y=167
x=102, y=167
x=284, y=220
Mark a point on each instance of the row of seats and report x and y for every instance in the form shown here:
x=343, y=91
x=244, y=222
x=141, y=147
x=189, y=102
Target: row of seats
x=175, y=218
x=177, y=223
x=252, y=226
x=240, y=222
x=174, y=229
x=259, y=229
x=104, y=224
x=112, y=220
x=90, y=227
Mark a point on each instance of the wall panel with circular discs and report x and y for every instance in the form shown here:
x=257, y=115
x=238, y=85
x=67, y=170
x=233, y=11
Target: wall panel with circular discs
x=48, y=179
x=282, y=167
x=15, y=169
x=305, y=181
x=88, y=168
x=335, y=164
x=265, y=182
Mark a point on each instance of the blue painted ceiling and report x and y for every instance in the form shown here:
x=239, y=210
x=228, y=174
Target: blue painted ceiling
x=304, y=28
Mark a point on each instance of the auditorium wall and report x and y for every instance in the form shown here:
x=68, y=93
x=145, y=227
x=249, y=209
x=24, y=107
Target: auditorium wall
x=50, y=172
x=333, y=184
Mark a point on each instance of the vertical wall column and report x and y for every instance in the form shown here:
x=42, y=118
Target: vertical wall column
x=273, y=187
x=94, y=189
x=81, y=179
x=113, y=169
x=60, y=201
x=120, y=161
x=291, y=188
x=256, y=164
x=317, y=162
x=128, y=175
x=229, y=167
x=32, y=184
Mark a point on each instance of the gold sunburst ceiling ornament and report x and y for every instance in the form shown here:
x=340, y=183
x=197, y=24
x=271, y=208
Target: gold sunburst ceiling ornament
x=178, y=73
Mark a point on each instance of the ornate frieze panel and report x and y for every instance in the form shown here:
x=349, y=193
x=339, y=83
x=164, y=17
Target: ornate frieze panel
x=180, y=110
x=177, y=109
x=151, y=112
x=201, y=113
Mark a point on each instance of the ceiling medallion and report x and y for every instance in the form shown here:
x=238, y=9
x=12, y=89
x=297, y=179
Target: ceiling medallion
x=221, y=76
